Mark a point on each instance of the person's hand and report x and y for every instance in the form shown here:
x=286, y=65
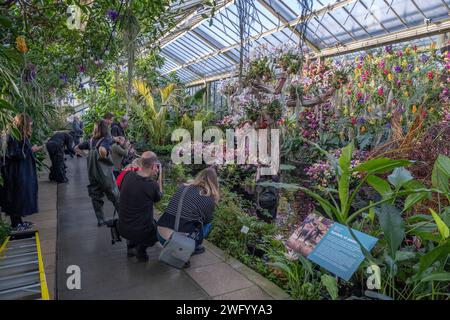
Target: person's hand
x=36, y=148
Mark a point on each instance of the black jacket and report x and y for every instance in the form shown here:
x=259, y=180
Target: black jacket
x=117, y=130
x=64, y=141
x=137, y=196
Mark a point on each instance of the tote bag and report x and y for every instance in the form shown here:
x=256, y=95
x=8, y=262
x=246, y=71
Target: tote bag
x=179, y=248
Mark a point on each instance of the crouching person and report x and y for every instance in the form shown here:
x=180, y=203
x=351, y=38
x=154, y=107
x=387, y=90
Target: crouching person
x=138, y=192
x=56, y=145
x=197, y=209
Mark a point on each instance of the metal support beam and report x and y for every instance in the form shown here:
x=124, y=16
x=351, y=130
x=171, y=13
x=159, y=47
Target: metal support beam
x=412, y=33
x=409, y=34
x=167, y=40
x=293, y=23
x=178, y=61
x=286, y=22
x=214, y=46
x=212, y=78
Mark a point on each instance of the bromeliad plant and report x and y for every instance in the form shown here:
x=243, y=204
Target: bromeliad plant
x=339, y=206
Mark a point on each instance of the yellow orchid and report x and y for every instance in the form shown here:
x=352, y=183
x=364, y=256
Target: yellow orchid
x=414, y=109
x=21, y=44
x=390, y=77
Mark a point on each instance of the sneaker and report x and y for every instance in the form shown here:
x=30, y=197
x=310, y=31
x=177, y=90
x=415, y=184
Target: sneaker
x=28, y=224
x=21, y=227
x=199, y=250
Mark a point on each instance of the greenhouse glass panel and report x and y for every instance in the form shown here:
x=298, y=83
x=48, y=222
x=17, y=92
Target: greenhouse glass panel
x=174, y=50
x=192, y=41
x=217, y=33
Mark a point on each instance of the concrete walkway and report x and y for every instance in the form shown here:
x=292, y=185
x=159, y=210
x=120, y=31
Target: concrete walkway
x=106, y=272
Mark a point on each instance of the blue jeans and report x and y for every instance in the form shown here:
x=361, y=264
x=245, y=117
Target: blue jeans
x=198, y=241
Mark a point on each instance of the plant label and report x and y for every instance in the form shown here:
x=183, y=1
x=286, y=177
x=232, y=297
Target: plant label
x=245, y=229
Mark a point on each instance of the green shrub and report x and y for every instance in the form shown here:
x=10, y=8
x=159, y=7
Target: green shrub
x=4, y=230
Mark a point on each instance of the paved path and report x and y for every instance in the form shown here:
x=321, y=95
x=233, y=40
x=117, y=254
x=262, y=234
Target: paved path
x=106, y=272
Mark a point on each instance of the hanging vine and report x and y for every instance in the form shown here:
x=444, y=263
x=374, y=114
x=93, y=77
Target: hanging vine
x=248, y=15
x=130, y=29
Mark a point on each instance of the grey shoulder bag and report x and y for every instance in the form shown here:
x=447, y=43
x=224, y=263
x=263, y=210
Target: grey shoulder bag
x=179, y=248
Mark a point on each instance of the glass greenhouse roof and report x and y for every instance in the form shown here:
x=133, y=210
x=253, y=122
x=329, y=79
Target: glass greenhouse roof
x=199, y=51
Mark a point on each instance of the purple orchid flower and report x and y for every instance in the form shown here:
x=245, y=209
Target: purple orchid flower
x=424, y=58
x=112, y=14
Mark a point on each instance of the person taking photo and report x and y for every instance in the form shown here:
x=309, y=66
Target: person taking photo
x=138, y=192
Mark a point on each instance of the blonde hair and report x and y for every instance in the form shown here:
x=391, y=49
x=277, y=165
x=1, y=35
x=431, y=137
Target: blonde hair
x=207, y=181
x=23, y=123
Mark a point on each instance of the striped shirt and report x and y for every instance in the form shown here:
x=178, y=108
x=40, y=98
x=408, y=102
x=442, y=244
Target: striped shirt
x=196, y=210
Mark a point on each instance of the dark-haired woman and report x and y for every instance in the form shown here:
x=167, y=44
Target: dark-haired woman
x=100, y=170
x=19, y=193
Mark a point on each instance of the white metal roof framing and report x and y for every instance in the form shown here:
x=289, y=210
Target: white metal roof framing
x=199, y=52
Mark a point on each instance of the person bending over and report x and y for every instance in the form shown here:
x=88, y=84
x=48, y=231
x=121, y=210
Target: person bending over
x=100, y=170
x=197, y=209
x=138, y=192
x=118, y=151
x=118, y=128
x=55, y=147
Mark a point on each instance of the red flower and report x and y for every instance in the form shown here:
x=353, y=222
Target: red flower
x=354, y=121
x=430, y=75
x=386, y=71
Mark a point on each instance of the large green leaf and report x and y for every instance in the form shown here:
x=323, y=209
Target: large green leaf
x=443, y=162
x=414, y=198
x=391, y=223
x=404, y=255
x=5, y=22
x=287, y=167
x=6, y=105
x=399, y=177
x=380, y=185
x=441, y=174
x=381, y=165
x=331, y=285
x=438, y=276
x=434, y=255
x=442, y=227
